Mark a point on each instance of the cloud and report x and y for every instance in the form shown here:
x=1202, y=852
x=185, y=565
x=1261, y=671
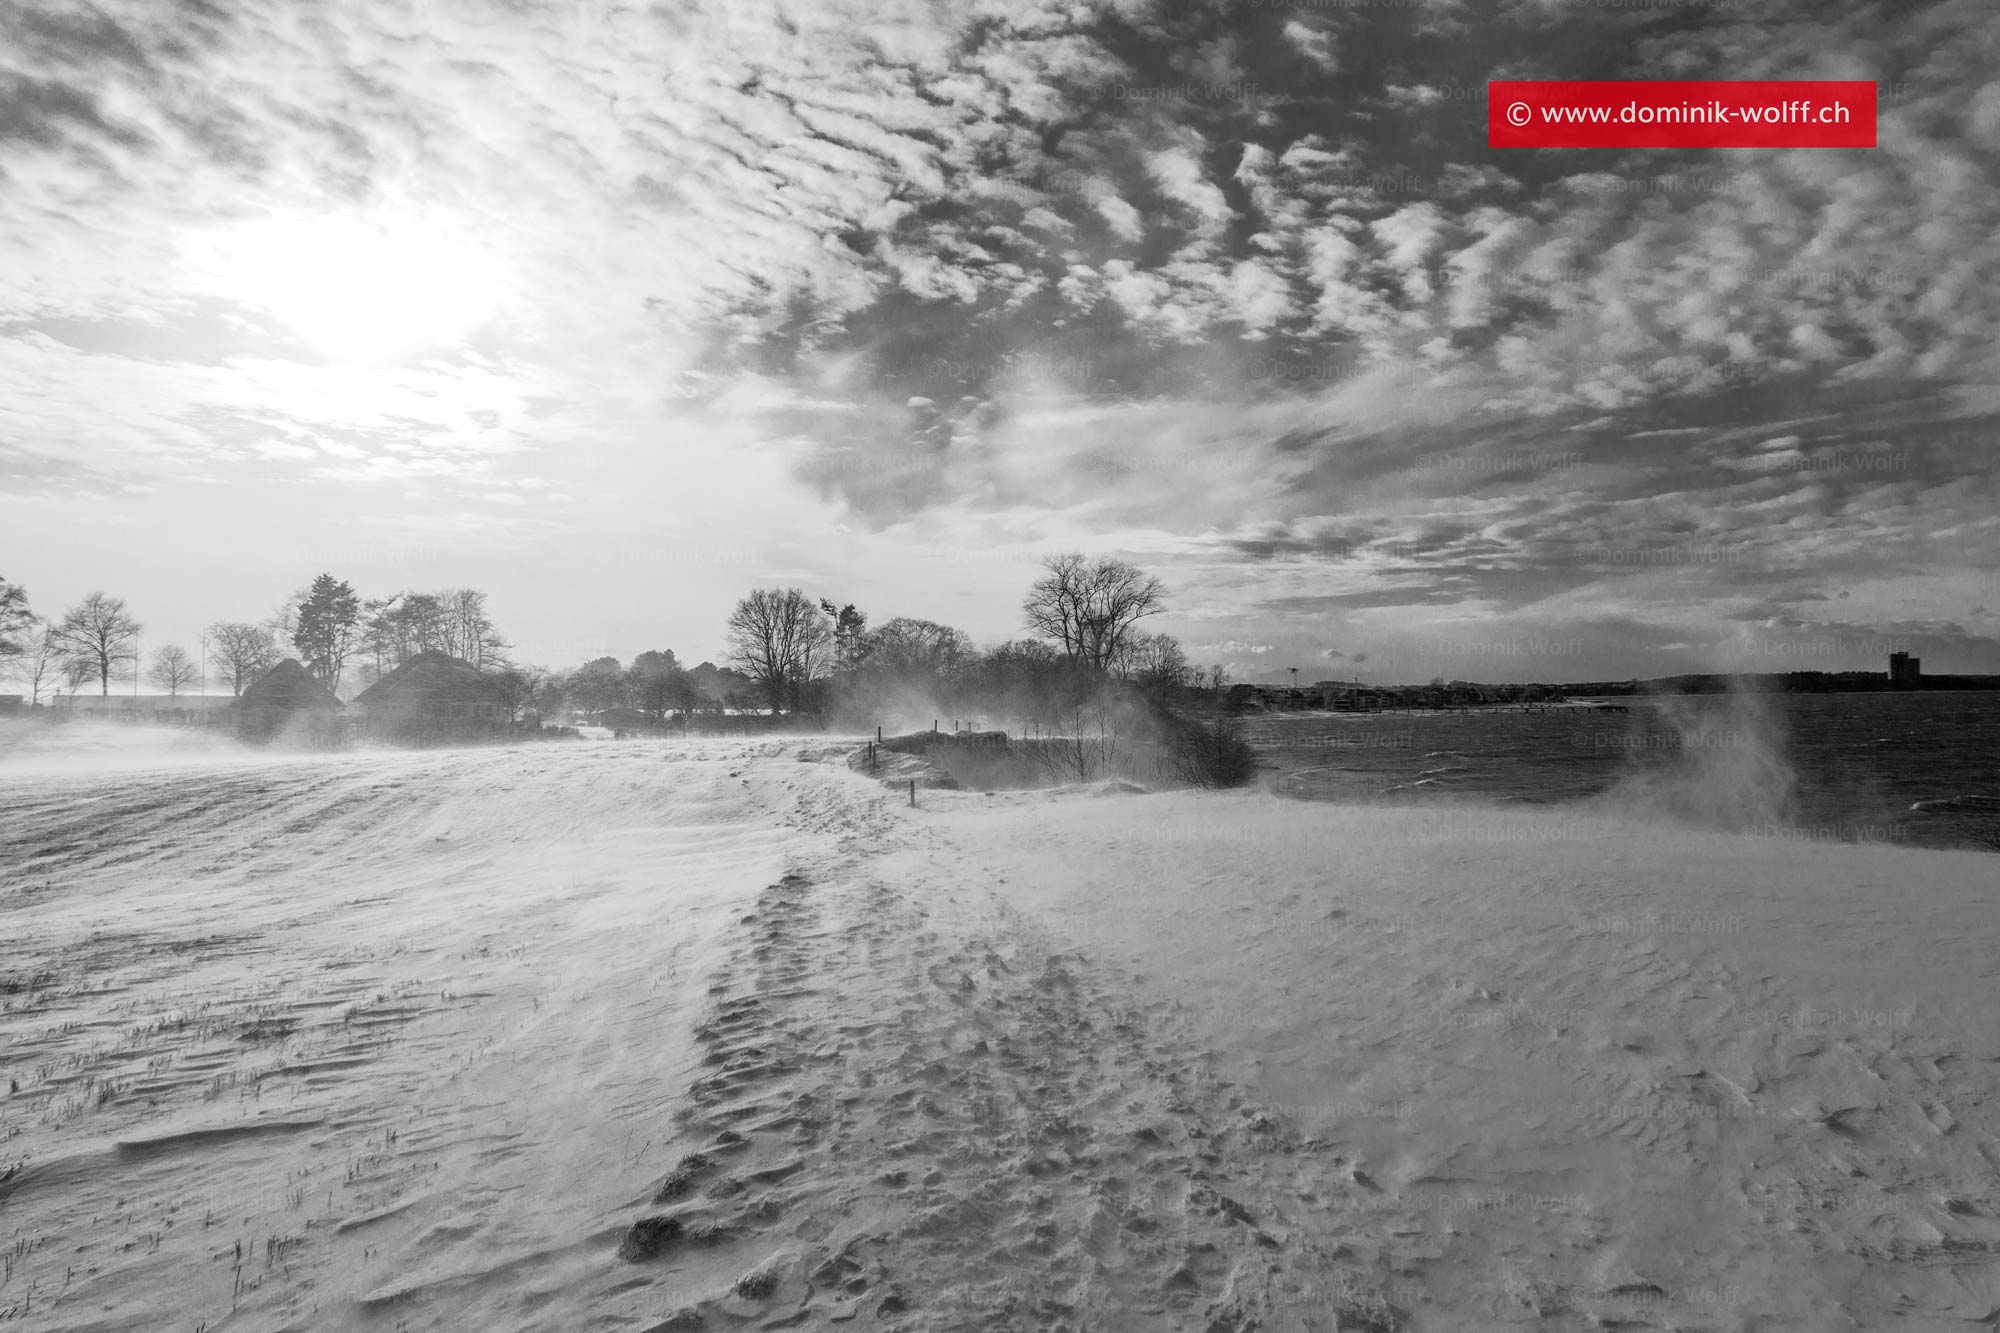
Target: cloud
x=1210, y=289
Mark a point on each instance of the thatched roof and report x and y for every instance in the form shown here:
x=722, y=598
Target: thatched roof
x=434, y=678
x=289, y=687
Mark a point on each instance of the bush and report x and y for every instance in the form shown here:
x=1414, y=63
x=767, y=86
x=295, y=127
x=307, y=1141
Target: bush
x=1210, y=754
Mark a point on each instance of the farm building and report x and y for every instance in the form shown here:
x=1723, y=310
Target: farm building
x=435, y=697
x=287, y=703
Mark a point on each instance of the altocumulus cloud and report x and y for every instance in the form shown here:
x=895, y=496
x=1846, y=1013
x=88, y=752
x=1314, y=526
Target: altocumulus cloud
x=941, y=267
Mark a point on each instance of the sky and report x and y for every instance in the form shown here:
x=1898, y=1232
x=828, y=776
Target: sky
x=617, y=311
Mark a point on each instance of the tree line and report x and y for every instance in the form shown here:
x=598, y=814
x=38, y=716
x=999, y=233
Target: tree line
x=787, y=652
x=1083, y=615
x=326, y=625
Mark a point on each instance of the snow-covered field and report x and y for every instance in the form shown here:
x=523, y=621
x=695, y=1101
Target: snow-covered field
x=647, y=1036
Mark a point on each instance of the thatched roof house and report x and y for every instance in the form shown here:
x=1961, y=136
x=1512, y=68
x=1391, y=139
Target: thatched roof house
x=435, y=695
x=286, y=700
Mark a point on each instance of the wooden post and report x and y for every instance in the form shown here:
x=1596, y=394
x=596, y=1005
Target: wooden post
x=913, y=793
x=878, y=735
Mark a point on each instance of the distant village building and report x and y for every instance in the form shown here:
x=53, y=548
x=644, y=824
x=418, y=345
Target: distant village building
x=287, y=703
x=435, y=697
x=1905, y=670
x=11, y=703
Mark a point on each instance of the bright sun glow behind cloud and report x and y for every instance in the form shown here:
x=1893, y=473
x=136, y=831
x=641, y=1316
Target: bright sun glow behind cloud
x=357, y=288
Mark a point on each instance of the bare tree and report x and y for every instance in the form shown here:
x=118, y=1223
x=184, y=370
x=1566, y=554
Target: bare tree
x=173, y=669
x=1209, y=754
x=468, y=631
x=284, y=618
x=1084, y=743
x=242, y=652
x=100, y=636
x=1157, y=660
x=40, y=668
x=780, y=638
x=75, y=672
x=525, y=686
x=922, y=652
x=1089, y=606
x=454, y=621
x=17, y=622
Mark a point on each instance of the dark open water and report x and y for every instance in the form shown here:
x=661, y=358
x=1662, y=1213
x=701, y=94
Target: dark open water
x=1919, y=768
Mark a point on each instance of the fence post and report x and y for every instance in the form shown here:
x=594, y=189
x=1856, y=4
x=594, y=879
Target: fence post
x=878, y=735
x=913, y=793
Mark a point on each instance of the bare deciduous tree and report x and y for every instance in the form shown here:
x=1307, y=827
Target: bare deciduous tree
x=780, y=638
x=1156, y=659
x=454, y=621
x=469, y=631
x=100, y=636
x=173, y=669
x=76, y=672
x=17, y=622
x=919, y=652
x=41, y=667
x=525, y=686
x=1084, y=744
x=284, y=617
x=241, y=652
x=1088, y=607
